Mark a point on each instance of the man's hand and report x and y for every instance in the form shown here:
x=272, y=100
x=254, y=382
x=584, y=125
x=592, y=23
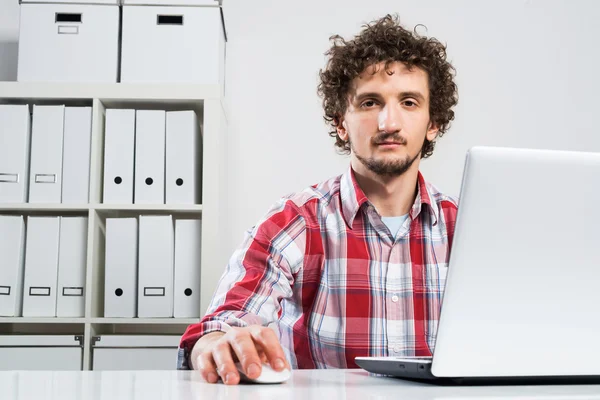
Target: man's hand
x=217, y=352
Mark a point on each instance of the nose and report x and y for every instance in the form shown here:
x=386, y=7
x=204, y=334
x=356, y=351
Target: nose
x=389, y=119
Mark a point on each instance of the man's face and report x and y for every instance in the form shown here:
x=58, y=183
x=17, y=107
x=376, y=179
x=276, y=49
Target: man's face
x=387, y=119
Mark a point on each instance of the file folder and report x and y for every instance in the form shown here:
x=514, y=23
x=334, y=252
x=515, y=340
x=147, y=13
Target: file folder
x=121, y=268
x=12, y=251
x=15, y=136
x=45, y=178
x=41, y=267
x=72, y=259
x=183, y=162
x=150, y=157
x=188, y=234
x=155, y=291
x=119, y=149
x=76, y=155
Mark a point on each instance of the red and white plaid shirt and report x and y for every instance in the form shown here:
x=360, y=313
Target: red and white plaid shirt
x=337, y=284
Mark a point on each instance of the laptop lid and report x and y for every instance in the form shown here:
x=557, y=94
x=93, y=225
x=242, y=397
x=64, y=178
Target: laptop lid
x=522, y=295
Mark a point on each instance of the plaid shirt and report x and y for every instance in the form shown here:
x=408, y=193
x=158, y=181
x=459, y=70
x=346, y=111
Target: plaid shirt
x=325, y=269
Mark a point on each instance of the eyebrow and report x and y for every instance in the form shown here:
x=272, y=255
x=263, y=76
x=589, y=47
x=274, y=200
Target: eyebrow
x=403, y=95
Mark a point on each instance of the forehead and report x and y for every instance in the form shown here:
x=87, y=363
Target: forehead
x=397, y=77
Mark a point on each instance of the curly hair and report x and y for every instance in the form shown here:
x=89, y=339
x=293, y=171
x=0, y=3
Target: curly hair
x=385, y=40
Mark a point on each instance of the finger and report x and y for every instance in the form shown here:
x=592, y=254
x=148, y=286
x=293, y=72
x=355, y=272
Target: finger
x=225, y=366
x=269, y=342
x=245, y=350
x=263, y=357
x=261, y=353
x=206, y=365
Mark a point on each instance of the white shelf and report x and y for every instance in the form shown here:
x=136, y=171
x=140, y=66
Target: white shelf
x=40, y=320
x=129, y=321
x=192, y=208
x=207, y=102
x=149, y=321
x=177, y=208
x=43, y=207
x=111, y=91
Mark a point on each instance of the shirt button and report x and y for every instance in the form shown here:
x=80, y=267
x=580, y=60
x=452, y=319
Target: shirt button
x=395, y=298
x=397, y=348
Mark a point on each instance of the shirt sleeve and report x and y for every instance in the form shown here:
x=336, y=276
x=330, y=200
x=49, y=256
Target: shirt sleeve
x=258, y=276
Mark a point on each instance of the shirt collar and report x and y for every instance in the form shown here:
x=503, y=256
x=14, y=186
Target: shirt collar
x=353, y=197
x=424, y=197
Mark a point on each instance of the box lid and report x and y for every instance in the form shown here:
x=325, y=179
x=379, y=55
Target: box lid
x=180, y=3
x=136, y=341
x=80, y=2
x=41, y=340
x=215, y=3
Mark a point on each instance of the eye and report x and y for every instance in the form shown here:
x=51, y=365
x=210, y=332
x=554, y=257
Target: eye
x=410, y=103
x=368, y=104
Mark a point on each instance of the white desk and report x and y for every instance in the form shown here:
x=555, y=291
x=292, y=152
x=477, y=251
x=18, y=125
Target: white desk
x=304, y=385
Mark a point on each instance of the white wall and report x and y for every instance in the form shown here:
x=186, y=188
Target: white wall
x=526, y=75
x=9, y=36
x=526, y=71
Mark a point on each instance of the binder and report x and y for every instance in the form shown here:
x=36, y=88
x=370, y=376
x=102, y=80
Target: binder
x=187, y=268
x=120, y=272
x=150, y=157
x=183, y=162
x=76, y=155
x=45, y=178
x=72, y=259
x=15, y=136
x=119, y=149
x=12, y=250
x=41, y=267
x=155, y=291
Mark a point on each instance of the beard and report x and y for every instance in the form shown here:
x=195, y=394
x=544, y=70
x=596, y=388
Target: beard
x=386, y=168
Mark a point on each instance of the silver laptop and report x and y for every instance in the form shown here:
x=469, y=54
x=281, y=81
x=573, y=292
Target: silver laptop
x=522, y=295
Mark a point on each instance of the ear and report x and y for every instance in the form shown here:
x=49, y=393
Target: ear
x=341, y=128
x=432, y=131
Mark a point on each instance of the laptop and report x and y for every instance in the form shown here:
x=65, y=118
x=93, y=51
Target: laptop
x=522, y=295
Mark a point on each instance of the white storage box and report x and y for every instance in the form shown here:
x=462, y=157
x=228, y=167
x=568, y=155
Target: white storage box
x=173, y=45
x=113, y=2
x=134, y=352
x=37, y=352
x=173, y=2
x=68, y=43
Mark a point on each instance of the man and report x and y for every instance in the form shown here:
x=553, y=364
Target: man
x=356, y=265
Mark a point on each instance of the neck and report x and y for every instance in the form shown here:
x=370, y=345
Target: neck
x=391, y=196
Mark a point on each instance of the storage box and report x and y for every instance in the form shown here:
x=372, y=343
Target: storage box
x=174, y=2
x=134, y=352
x=173, y=45
x=112, y=2
x=68, y=43
x=41, y=352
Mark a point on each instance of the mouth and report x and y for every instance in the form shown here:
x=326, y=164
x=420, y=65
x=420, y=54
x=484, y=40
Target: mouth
x=389, y=144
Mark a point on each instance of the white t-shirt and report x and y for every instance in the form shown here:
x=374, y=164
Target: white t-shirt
x=394, y=223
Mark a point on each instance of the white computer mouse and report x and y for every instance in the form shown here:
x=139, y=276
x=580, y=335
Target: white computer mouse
x=267, y=375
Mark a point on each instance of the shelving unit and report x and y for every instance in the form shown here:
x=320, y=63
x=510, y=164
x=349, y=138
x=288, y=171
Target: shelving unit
x=207, y=102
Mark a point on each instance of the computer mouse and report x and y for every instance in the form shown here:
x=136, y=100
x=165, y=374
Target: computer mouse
x=267, y=375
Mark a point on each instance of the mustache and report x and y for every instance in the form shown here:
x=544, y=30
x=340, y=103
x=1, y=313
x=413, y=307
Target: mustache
x=388, y=137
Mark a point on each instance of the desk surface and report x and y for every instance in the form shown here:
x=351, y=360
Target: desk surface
x=304, y=385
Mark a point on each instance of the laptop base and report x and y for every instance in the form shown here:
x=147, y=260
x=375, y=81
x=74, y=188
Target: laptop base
x=421, y=372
